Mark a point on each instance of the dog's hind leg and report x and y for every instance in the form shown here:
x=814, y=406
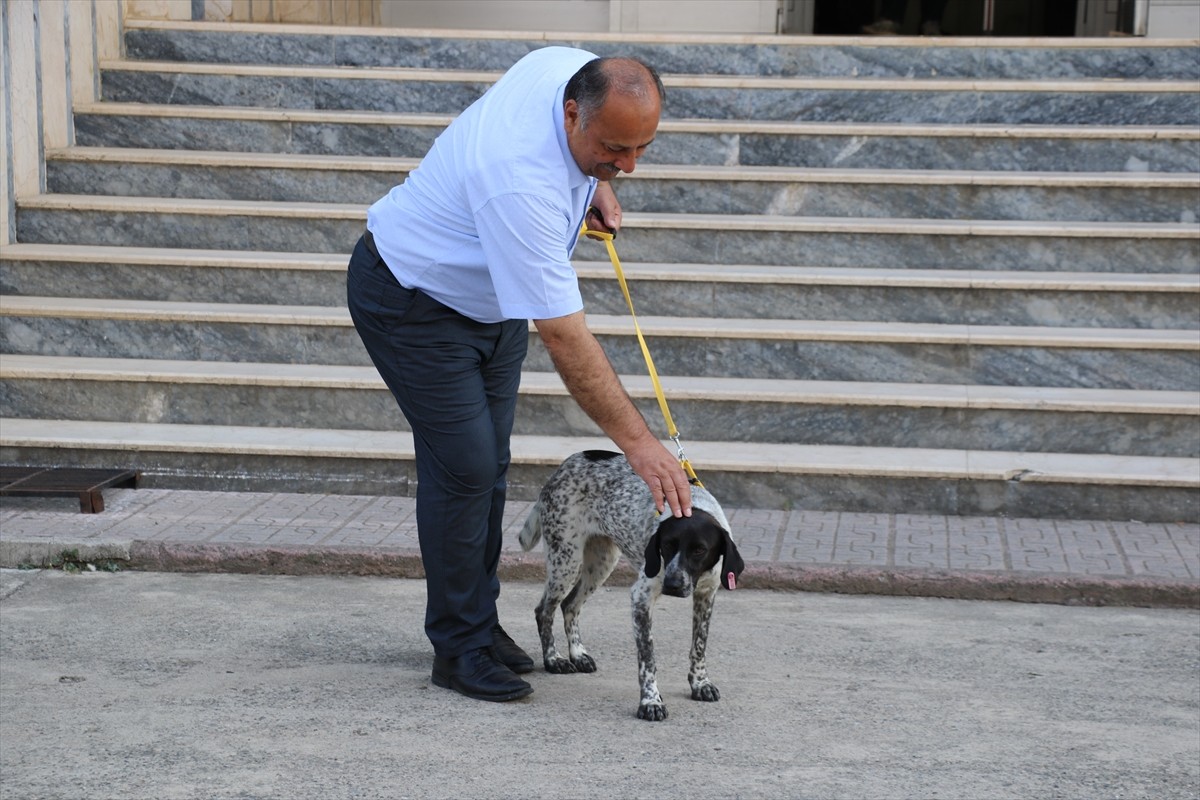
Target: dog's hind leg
x=562, y=572
x=650, y=703
x=600, y=556
x=702, y=606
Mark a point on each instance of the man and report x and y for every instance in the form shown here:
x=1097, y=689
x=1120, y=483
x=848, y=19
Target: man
x=455, y=261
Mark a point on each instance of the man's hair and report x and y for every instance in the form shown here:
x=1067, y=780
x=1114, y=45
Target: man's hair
x=589, y=87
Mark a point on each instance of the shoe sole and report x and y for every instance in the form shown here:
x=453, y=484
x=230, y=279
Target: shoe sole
x=516, y=694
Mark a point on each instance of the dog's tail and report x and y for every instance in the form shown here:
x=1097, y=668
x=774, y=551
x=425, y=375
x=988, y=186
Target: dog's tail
x=532, y=531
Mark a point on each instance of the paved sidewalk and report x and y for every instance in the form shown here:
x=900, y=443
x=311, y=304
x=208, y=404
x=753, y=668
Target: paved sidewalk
x=1037, y=560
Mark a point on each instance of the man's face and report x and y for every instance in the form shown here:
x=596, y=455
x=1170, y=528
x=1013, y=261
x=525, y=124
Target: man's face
x=616, y=134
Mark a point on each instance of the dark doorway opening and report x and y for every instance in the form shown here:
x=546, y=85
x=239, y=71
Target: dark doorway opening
x=963, y=17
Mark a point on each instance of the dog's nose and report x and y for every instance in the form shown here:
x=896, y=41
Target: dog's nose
x=677, y=586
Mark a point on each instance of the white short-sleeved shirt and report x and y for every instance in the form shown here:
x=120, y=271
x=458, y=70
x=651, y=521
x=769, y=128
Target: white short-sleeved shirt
x=487, y=222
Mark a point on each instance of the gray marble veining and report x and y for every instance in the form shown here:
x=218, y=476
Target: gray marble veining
x=770, y=247
x=887, y=150
x=660, y=195
x=807, y=58
x=799, y=422
x=865, y=104
x=652, y=296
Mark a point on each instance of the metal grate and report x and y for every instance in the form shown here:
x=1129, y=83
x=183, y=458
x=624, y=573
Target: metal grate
x=85, y=483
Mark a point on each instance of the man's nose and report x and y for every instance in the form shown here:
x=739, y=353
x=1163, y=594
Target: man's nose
x=626, y=163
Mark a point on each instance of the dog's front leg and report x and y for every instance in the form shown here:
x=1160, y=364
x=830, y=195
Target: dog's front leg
x=702, y=606
x=650, y=704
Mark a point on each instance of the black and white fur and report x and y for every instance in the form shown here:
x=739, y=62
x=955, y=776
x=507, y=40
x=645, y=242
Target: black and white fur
x=593, y=509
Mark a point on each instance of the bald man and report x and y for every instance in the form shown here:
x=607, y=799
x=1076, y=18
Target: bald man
x=455, y=261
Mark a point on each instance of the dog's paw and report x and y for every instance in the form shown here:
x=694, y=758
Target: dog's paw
x=584, y=663
x=706, y=692
x=558, y=666
x=654, y=711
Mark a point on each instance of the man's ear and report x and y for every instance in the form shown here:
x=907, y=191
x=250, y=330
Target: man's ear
x=653, y=557
x=570, y=115
x=731, y=564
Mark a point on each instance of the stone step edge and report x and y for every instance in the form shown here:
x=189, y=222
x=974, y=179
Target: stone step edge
x=806, y=175
x=641, y=271
x=978, y=465
x=798, y=392
x=604, y=324
x=890, y=42
x=766, y=127
x=710, y=223
x=670, y=81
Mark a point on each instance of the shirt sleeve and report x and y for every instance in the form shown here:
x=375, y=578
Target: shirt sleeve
x=525, y=241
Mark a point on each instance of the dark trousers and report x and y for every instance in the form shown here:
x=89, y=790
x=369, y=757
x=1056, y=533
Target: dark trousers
x=456, y=382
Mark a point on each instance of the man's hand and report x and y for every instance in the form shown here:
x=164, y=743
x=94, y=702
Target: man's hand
x=605, y=213
x=663, y=473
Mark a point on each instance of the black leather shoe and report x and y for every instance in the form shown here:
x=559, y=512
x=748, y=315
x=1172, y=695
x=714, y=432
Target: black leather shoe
x=479, y=675
x=508, y=653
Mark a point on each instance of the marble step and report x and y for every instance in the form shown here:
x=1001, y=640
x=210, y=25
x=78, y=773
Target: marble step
x=698, y=347
x=670, y=53
x=979, y=297
x=1033, y=419
x=1075, y=148
x=679, y=238
x=754, y=475
x=787, y=191
x=902, y=100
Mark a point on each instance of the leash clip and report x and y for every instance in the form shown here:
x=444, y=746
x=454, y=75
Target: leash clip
x=679, y=449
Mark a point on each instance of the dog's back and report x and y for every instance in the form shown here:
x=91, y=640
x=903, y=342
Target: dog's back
x=597, y=493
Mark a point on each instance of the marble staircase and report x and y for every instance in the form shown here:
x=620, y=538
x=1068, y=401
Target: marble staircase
x=956, y=277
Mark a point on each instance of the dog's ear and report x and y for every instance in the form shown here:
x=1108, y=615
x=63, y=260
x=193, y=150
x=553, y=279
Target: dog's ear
x=653, y=557
x=731, y=563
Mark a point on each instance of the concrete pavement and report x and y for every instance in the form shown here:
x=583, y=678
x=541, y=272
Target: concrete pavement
x=1038, y=560
x=155, y=686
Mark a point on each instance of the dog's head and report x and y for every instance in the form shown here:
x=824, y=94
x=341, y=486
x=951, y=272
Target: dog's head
x=690, y=547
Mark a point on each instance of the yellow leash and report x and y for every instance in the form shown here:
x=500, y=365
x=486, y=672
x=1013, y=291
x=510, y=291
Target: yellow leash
x=672, y=431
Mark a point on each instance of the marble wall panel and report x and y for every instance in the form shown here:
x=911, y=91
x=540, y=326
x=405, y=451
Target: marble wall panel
x=861, y=105
x=924, y=201
x=808, y=59
x=795, y=423
x=229, y=47
x=319, y=235
x=255, y=136
x=184, y=284
x=1152, y=310
x=766, y=490
x=943, y=107
x=171, y=88
x=904, y=362
x=199, y=341
x=424, y=97
x=228, y=232
x=209, y=182
x=915, y=250
x=936, y=152
x=846, y=151
x=908, y=201
x=421, y=52
x=204, y=404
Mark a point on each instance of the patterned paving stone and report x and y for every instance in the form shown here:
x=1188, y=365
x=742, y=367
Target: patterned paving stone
x=1021, y=549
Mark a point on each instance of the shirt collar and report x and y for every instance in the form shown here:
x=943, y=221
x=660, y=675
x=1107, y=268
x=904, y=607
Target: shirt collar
x=575, y=176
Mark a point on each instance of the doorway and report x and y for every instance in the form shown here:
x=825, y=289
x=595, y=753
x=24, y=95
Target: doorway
x=963, y=17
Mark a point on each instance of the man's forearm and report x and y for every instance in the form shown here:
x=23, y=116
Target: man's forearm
x=592, y=382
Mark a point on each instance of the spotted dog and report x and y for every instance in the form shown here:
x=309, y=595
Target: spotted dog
x=593, y=508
